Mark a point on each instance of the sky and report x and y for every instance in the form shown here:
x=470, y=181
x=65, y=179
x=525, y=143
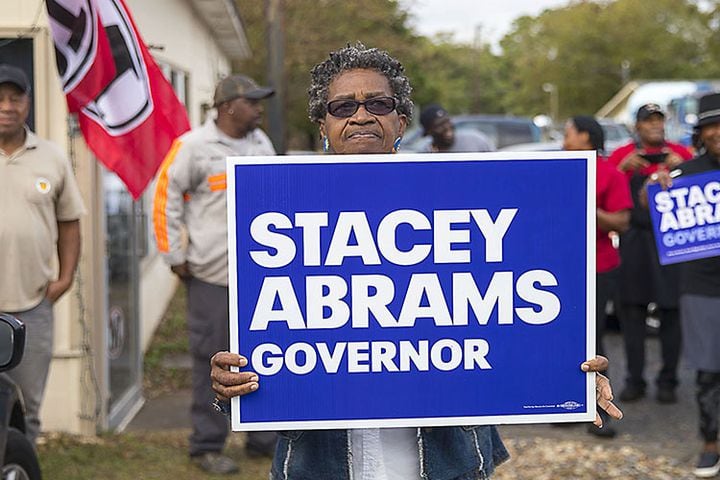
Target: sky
x=463, y=17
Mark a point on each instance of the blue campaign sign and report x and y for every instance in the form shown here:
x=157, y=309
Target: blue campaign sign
x=413, y=290
x=686, y=217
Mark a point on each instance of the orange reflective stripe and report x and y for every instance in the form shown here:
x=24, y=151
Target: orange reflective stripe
x=220, y=177
x=160, y=203
x=217, y=182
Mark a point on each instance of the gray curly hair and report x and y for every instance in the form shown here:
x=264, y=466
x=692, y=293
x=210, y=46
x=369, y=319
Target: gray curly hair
x=357, y=56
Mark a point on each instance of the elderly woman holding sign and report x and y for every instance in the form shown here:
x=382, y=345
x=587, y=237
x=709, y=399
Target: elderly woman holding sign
x=360, y=99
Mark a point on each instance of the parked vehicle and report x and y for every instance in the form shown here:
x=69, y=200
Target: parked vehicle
x=682, y=117
x=18, y=460
x=677, y=97
x=616, y=134
x=501, y=130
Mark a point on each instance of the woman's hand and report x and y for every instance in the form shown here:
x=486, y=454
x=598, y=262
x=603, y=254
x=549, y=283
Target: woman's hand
x=603, y=390
x=227, y=384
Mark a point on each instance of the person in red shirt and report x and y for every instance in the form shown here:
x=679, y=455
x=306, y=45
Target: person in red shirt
x=642, y=279
x=613, y=204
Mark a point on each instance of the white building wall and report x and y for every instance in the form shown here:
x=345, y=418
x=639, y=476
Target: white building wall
x=186, y=45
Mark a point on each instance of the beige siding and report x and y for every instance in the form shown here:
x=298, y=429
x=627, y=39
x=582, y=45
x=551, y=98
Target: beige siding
x=187, y=45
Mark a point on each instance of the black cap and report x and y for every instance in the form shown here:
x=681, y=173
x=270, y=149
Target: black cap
x=237, y=86
x=10, y=74
x=647, y=110
x=708, y=110
x=431, y=113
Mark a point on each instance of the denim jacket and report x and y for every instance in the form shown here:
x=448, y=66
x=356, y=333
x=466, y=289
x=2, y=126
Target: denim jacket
x=446, y=453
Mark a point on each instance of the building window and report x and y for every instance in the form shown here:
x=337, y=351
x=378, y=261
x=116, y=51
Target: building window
x=179, y=79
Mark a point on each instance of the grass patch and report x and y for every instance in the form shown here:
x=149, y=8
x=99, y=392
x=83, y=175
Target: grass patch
x=170, y=340
x=133, y=456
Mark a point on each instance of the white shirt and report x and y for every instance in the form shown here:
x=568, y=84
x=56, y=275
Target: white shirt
x=385, y=454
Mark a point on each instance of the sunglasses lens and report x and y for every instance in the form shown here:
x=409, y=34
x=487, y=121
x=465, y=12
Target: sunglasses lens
x=380, y=105
x=347, y=108
x=343, y=108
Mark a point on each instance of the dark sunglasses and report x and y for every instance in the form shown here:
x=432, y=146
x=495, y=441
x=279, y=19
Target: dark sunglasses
x=347, y=108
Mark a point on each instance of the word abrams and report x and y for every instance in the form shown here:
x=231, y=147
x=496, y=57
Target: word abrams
x=687, y=218
x=372, y=294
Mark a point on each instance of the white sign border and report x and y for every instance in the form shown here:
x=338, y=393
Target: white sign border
x=589, y=156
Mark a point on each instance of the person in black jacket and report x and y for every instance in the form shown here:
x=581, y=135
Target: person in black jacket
x=700, y=295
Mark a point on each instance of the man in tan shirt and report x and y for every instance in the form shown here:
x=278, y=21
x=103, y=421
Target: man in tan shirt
x=40, y=207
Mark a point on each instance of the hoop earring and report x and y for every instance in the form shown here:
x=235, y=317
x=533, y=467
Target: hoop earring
x=396, y=145
x=231, y=111
x=325, y=145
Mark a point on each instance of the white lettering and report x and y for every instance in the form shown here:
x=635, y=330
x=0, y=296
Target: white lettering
x=547, y=301
x=387, y=231
x=284, y=245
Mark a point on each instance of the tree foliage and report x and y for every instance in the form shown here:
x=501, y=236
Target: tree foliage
x=439, y=71
x=580, y=48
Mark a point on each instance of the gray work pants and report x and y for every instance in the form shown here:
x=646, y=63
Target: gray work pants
x=31, y=374
x=209, y=333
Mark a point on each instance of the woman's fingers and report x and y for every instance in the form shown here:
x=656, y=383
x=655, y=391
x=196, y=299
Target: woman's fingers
x=226, y=383
x=605, y=397
x=597, y=364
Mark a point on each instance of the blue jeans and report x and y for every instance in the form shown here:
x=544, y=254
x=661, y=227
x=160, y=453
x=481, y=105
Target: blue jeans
x=31, y=374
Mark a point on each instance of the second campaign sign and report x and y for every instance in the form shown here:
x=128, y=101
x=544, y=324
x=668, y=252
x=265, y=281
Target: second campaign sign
x=413, y=290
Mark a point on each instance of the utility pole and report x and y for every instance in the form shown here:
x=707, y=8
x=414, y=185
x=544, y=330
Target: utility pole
x=275, y=18
x=552, y=89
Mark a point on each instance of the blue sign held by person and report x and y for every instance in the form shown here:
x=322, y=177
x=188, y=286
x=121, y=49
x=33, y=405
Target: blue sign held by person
x=413, y=290
x=686, y=218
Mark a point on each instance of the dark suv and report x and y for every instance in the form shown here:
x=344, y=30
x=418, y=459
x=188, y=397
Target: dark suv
x=18, y=460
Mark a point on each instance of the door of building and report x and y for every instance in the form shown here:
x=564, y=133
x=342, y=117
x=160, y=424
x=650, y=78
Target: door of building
x=122, y=225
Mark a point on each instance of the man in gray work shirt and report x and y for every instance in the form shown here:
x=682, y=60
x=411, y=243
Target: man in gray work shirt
x=190, y=198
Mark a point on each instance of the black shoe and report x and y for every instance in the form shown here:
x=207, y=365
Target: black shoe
x=215, y=463
x=666, y=395
x=605, y=432
x=632, y=393
x=708, y=465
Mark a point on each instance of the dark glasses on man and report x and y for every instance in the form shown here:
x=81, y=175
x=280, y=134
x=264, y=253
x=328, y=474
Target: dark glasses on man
x=347, y=108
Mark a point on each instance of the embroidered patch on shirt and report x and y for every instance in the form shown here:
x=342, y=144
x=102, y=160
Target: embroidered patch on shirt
x=43, y=185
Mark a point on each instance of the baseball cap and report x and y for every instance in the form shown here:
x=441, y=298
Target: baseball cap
x=647, y=110
x=10, y=74
x=431, y=113
x=237, y=86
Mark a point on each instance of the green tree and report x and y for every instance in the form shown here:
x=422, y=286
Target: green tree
x=460, y=77
x=312, y=29
x=580, y=49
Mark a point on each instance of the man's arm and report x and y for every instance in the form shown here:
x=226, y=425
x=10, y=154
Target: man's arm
x=174, y=181
x=613, y=221
x=68, y=250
